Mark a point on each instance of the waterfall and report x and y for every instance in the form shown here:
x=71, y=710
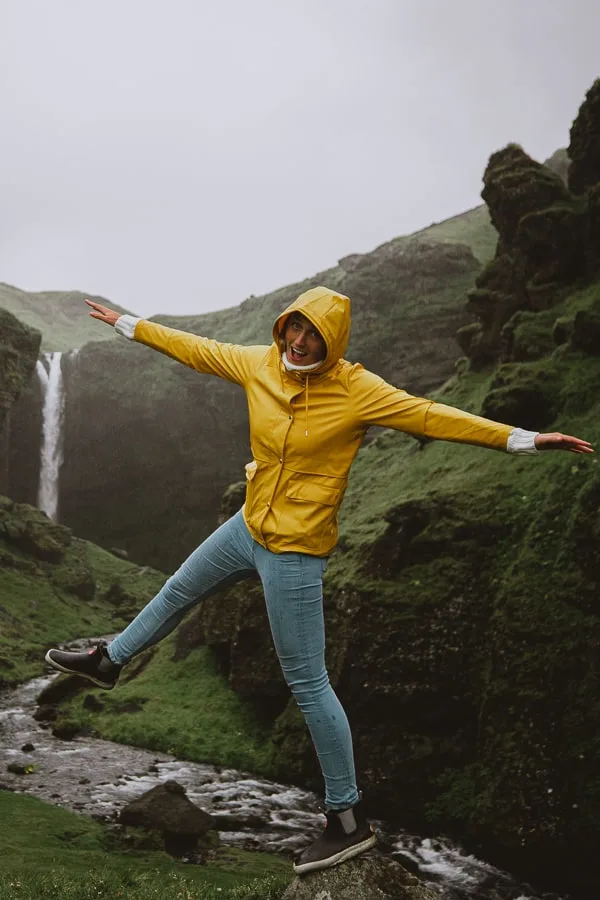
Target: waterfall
x=51, y=456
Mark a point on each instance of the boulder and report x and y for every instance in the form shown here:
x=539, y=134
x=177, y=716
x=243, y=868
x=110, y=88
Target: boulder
x=167, y=809
x=369, y=877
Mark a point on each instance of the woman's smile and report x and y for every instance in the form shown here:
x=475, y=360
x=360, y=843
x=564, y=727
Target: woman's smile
x=304, y=345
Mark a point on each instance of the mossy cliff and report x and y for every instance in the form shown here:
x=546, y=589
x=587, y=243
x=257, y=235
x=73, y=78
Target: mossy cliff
x=548, y=234
x=19, y=348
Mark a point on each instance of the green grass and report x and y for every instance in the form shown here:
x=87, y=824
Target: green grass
x=61, y=316
x=38, y=607
x=473, y=228
x=48, y=852
x=187, y=708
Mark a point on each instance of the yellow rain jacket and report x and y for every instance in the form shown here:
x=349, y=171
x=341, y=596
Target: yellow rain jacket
x=306, y=428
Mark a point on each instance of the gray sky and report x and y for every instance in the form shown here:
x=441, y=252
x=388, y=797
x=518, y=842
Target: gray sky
x=177, y=156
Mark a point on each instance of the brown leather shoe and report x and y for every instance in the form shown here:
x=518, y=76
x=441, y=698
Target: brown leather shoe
x=94, y=664
x=346, y=834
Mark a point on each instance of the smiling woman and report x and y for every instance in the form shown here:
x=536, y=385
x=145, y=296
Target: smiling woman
x=304, y=345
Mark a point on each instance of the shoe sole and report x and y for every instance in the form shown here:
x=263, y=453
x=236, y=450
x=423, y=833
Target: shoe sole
x=337, y=858
x=102, y=684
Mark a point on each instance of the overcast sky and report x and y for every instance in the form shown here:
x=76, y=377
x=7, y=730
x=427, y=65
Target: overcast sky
x=178, y=156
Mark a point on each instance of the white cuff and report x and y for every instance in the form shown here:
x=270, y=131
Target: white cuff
x=125, y=325
x=522, y=442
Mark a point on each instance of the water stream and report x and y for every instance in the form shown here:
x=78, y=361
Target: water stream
x=98, y=778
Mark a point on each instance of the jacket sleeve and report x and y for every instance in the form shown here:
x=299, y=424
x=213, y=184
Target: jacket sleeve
x=379, y=403
x=229, y=361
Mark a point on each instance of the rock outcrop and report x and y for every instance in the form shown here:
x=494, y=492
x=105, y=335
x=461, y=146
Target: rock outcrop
x=548, y=223
x=370, y=877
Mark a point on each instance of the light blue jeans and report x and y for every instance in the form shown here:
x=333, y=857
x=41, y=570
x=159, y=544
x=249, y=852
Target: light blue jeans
x=293, y=588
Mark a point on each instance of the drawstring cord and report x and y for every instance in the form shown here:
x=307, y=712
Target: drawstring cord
x=306, y=408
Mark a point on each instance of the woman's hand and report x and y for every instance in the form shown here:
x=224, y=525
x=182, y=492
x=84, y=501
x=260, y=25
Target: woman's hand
x=103, y=313
x=557, y=441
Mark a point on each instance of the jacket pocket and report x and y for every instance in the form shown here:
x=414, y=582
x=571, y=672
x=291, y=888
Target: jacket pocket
x=312, y=493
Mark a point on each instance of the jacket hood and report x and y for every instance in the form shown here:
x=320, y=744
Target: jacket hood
x=329, y=312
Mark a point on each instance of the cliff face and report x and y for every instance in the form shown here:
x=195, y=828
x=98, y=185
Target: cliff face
x=19, y=347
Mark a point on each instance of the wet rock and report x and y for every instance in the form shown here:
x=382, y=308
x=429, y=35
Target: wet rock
x=19, y=768
x=27, y=748
x=45, y=713
x=167, y=809
x=370, y=877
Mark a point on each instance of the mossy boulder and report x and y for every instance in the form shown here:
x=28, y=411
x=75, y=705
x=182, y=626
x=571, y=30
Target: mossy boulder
x=167, y=809
x=524, y=396
x=29, y=530
x=372, y=877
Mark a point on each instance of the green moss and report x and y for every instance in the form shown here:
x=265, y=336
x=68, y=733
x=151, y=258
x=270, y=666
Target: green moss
x=186, y=708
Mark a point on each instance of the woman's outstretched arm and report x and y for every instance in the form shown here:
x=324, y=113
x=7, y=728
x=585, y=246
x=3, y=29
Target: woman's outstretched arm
x=380, y=403
x=229, y=361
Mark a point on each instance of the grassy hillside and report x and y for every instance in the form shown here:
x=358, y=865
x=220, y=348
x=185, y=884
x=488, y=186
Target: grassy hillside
x=60, y=316
x=50, y=853
x=471, y=228
x=54, y=587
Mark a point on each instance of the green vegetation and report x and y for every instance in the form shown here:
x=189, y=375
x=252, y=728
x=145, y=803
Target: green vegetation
x=185, y=708
x=45, y=601
x=472, y=228
x=49, y=853
x=60, y=315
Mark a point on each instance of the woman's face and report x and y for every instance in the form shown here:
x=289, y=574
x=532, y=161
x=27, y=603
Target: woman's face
x=304, y=345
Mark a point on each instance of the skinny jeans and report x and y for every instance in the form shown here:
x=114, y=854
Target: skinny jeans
x=293, y=589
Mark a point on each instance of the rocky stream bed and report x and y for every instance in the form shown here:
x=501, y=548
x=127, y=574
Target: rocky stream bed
x=98, y=778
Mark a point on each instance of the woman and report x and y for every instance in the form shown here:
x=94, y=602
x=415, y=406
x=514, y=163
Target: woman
x=309, y=412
